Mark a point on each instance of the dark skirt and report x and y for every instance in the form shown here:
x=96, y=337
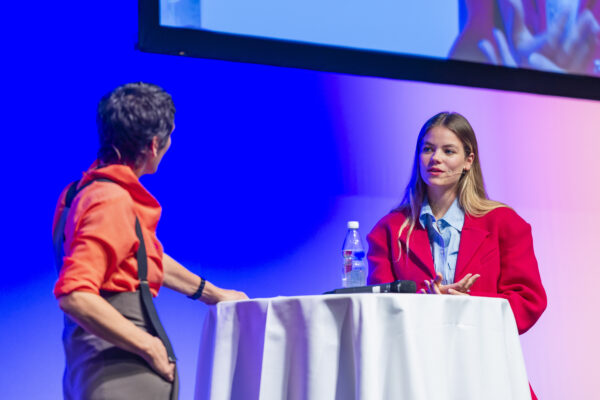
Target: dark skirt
x=97, y=370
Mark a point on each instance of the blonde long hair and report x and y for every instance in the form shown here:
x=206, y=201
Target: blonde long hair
x=472, y=196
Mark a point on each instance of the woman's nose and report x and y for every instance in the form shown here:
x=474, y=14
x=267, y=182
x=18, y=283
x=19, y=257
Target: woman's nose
x=436, y=156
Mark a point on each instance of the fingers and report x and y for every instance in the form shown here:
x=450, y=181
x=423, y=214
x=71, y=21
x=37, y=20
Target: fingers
x=233, y=295
x=581, y=49
x=159, y=361
x=589, y=4
x=557, y=32
x=464, y=278
x=499, y=54
x=435, y=286
x=166, y=370
x=563, y=47
x=457, y=293
x=513, y=15
x=463, y=285
x=218, y=295
x=538, y=61
x=488, y=51
x=594, y=6
x=170, y=372
x=432, y=287
x=428, y=284
x=463, y=282
x=466, y=282
x=507, y=58
x=470, y=281
x=569, y=47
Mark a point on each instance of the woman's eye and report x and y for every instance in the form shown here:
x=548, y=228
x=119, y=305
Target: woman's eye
x=426, y=149
x=450, y=151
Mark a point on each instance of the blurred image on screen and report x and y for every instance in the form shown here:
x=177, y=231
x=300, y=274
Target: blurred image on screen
x=550, y=35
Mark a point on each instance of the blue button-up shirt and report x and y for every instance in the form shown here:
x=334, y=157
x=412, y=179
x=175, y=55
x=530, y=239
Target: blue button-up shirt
x=444, y=238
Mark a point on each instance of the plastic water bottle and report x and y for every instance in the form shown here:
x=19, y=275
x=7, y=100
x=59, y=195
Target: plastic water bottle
x=354, y=272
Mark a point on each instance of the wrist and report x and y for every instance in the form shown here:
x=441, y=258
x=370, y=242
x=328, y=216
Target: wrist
x=144, y=345
x=198, y=293
x=211, y=294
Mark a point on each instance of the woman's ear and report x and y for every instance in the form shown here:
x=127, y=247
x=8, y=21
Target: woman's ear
x=154, y=146
x=469, y=161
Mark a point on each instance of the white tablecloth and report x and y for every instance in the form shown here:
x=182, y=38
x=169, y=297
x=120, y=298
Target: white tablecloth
x=362, y=346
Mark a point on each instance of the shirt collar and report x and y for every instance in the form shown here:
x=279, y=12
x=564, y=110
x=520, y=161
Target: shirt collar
x=426, y=215
x=455, y=216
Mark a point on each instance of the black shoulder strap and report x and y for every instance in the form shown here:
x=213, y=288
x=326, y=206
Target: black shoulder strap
x=58, y=236
x=71, y=192
x=142, y=260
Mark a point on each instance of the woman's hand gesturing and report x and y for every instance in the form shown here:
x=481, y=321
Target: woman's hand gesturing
x=462, y=287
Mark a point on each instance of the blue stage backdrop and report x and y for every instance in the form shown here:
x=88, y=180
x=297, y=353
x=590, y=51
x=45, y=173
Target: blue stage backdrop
x=252, y=175
x=267, y=165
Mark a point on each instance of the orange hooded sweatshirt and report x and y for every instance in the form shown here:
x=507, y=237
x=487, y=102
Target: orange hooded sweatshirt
x=100, y=241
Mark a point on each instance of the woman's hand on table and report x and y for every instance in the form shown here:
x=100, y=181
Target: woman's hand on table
x=213, y=294
x=232, y=295
x=460, y=288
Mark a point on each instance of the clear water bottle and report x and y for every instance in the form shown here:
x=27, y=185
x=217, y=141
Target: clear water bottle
x=354, y=272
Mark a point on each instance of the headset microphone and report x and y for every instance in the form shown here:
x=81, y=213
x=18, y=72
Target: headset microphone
x=456, y=172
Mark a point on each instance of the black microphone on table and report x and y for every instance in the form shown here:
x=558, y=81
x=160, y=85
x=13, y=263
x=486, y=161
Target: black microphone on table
x=392, y=287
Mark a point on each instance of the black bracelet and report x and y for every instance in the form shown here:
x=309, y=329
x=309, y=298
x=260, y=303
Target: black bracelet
x=198, y=293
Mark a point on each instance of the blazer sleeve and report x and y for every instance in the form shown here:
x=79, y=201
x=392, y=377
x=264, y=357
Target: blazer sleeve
x=519, y=281
x=379, y=255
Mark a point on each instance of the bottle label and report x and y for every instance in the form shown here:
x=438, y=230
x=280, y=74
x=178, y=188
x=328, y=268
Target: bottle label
x=347, y=265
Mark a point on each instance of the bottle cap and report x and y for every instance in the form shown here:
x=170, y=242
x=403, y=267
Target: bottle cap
x=352, y=224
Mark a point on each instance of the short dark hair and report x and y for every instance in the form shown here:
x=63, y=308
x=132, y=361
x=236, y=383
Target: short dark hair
x=128, y=118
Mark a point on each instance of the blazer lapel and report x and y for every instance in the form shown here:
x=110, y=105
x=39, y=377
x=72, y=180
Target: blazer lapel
x=420, y=249
x=470, y=239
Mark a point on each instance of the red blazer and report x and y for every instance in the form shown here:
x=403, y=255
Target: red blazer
x=498, y=246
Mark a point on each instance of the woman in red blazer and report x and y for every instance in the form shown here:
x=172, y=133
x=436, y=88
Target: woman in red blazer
x=495, y=248
x=495, y=255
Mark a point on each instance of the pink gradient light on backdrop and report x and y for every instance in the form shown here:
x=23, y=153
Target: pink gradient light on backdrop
x=540, y=155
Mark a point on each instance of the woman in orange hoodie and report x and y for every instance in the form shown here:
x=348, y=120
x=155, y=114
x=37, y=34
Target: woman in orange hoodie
x=111, y=253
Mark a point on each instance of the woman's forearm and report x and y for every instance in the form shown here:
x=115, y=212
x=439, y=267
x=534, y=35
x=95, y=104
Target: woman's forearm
x=182, y=280
x=179, y=278
x=97, y=316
